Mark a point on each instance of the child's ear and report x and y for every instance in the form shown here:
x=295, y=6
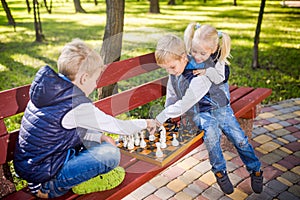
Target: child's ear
x=83, y=78
x=184, y=57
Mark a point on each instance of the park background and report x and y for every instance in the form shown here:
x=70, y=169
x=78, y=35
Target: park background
x=279, y=45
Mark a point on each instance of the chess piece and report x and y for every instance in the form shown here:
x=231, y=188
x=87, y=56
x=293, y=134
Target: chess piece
x=163, y=144
x=158, y=152
x=163, y=136
x=142, y=141
x=175, y=142
x=130, y=145
x=151, y=138
x=125, y=141
x=137, y=140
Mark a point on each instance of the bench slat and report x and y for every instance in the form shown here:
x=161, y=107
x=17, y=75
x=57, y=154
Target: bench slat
x=243, y=105
x=13, y=101
x=128, y=68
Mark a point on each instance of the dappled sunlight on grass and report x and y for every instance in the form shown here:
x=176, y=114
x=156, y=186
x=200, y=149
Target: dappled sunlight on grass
x=28, y=60
x=3, y=68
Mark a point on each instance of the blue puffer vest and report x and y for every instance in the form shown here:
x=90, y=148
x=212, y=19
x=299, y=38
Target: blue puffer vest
x=43, y=143
x=215, y=97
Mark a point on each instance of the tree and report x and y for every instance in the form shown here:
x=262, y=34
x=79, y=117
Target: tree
x=49, y=10
x=78, y=7
x=154, y=6
x=39, y=37
x=9, y=16
x=255, y=62
x=112, y=41
x=171, y=2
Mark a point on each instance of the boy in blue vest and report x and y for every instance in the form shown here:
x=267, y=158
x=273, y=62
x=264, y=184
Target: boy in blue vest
x=60, y=145
x=209, y=106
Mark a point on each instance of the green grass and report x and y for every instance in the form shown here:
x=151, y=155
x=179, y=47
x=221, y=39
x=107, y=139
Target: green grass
x=279, y=40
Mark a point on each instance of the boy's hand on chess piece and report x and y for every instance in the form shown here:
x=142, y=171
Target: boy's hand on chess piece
x=105, y=138
x=199, y=72
x=151, y=126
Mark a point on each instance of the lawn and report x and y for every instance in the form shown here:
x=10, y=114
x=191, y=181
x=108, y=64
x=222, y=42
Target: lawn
x=21, y=57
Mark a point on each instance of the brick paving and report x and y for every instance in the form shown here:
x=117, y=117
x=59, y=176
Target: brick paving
x=276, y=140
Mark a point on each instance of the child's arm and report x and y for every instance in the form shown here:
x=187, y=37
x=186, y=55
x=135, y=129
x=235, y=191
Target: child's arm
x=198, y=87
x=90, y=117
x=216, y=74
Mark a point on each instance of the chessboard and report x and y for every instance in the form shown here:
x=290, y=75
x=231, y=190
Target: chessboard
x=170, y=140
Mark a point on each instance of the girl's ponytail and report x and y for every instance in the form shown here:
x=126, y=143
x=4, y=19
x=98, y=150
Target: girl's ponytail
x=188, y=36
x=225, y=46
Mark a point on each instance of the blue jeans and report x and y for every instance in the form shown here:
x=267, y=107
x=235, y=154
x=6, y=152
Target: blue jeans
x=223, y=119
x=98, y=159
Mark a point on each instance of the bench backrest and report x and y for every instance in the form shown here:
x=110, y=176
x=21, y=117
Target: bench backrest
x=14, y=101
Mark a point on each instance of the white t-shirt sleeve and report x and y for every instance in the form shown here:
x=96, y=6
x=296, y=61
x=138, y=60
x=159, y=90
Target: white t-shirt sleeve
x=216, y=74
x=198, y=87
x=90, y=117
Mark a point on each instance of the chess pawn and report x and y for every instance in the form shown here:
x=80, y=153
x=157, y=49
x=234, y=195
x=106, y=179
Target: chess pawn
x=142, y=142
x=151, y=137
x=125, y=141
x=130, y=143
x=137, y=140
x=158, y=152
x=175, y=141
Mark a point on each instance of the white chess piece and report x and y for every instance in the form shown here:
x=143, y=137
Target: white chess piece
x=137, y=140
x=163, y=144
x=142, y=142
x=130, y=143
x=175, y=141
x=151, y=137
x=163, y=136
x=125, y=141
x=158, y=152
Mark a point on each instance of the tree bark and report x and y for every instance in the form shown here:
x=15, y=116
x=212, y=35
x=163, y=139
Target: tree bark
x=154, y=6
x=28, y=6
x=49, y=9
x=234, y=3
x=9, y=16
x=39, y=37
x=255, y=62
x=78, y=7
x=171, y=2
x=112, y=41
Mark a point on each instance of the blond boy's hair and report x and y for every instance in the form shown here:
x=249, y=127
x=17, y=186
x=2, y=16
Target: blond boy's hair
x=76, y=57
x=169, y=47
x=208, y=34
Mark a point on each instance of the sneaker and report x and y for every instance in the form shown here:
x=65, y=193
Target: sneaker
x=101, y=182
x=257, y=182
x=224, y=182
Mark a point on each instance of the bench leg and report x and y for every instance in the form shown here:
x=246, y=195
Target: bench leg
x=7, y=185
x=247, y=126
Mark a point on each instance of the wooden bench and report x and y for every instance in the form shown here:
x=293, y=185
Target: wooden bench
x=244, y=101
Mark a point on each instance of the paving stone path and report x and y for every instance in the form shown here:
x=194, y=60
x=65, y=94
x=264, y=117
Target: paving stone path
x=276, y=140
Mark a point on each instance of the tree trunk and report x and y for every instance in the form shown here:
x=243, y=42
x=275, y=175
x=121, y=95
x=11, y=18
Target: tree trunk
x=255, y=63
x=28, y=6
x=112, y=41
x=234, y=3
x=171, y=2
x=78, y=7
x=154, y=6
x=9, y=16
x=49, y=10
x=96, y=2
x=39, y=37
